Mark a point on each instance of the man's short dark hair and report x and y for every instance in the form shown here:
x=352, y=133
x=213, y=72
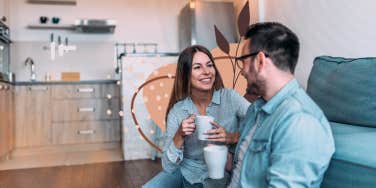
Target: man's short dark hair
x=277, y=41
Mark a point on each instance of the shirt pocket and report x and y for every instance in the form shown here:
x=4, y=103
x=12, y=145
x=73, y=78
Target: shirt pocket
x=259, y=145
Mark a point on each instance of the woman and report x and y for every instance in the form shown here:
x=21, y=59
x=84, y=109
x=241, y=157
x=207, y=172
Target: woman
x=198, y=90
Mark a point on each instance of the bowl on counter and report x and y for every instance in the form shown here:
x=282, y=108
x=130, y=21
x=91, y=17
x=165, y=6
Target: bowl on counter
x=43, y=19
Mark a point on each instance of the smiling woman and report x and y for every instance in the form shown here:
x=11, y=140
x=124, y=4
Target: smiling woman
x=203, y=73
x=198, y=90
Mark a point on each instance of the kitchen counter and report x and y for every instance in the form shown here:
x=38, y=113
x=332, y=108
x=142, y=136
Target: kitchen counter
x=30, y=83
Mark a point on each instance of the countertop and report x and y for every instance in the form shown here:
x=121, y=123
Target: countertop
x=31, y=83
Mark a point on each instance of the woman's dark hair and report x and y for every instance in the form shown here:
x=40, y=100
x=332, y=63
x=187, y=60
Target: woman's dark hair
x=182, y=83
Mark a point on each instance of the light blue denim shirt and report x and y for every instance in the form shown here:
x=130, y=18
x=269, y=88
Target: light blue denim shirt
x=228, y=109
x=292, y=144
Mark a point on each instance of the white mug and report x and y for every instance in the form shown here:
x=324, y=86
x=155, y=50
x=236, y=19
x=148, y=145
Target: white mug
x=215, y=159
x=202, y=125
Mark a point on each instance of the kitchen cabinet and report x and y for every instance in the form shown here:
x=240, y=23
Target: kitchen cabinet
x=6, y=119
x=33, y=116
x=86, y=132
x=60, y=123
x=84, y=91
x=85, y=113
x=50, y=115
x=85, y=110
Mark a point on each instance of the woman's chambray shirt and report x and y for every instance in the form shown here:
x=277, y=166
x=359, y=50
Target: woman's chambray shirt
x=228, y=109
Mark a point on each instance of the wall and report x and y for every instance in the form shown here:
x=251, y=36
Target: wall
x=95, y=60
x=335, y=27
x=137, y=21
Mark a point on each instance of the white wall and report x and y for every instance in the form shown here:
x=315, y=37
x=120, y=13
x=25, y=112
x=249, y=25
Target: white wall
x=137, y=21
x=343, y=28
x=94, y=60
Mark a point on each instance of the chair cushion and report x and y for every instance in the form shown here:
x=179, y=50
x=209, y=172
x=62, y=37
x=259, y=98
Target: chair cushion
x=345, y=89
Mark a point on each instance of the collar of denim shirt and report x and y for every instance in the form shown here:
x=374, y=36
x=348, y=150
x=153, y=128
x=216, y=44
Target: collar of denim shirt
x=189, y=106
x=270, y=106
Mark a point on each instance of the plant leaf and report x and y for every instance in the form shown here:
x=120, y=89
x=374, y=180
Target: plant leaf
x=221, y=41
x=243, y=19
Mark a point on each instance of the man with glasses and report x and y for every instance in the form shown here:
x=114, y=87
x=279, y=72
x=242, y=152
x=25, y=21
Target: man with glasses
x=286, y=139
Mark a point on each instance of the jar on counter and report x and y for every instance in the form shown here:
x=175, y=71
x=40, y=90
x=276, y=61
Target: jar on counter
x=47, y=78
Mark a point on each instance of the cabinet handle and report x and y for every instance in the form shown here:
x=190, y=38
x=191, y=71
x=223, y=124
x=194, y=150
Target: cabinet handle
x=38, y=88
x=109, y=112
x=89, y=131
x=86, y=110
x=85, y=90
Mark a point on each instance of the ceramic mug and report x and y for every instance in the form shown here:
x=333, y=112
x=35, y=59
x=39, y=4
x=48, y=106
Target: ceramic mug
x=202, y=125
x=215, y=159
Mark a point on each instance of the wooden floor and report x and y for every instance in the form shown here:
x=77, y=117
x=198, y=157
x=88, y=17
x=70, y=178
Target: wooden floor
x=126, y=174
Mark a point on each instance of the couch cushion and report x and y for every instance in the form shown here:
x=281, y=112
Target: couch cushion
x=345, y=89
x=342, y=174
x=354, y=144
x=354, y=161
x=340, y=129
x=356, y=148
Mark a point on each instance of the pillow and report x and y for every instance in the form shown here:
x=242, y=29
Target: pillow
x=345, y=89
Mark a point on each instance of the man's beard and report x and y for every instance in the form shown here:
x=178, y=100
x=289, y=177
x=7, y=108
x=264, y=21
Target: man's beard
x=256, y=88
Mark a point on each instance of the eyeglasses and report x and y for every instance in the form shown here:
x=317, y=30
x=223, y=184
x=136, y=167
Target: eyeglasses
x=240, y=60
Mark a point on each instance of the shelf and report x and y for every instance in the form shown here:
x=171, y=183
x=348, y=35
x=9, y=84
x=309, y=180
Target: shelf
x=53, y=2
x=63, y=27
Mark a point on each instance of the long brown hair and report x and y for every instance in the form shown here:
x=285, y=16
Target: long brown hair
x=182, y=83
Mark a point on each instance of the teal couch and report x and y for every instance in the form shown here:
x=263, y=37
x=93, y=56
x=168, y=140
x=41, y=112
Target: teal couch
x=345, y=89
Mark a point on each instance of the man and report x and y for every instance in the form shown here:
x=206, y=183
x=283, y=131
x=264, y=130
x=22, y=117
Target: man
x=286, y=140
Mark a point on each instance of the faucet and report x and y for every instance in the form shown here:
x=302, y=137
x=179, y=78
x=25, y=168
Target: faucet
x=32, y=66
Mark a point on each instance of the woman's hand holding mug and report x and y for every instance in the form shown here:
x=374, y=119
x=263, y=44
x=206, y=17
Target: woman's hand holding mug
x=218, y=134
x=187, y=127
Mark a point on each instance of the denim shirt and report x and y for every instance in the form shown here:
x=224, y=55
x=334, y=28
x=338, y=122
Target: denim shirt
x=227, y=107
x=292, y=144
